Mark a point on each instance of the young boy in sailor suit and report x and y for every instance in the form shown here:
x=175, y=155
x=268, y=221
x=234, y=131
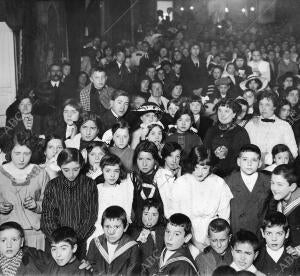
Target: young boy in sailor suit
x=114, y=252
x=176, y=258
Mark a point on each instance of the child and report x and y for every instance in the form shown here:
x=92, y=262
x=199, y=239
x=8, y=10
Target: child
x=250, y=189
x=149, y=231
x=281, y=155
x=176, y=258
x=116, y=189
x=287, y=194
x=95, y=152
x=71, y=199
x=114, y=252
x=168, y=118
x=201, y=123
x=184, y=137
x=244, y=251
x=156, y=134
x=218, y=253
x=63, y=250
x=121, y=139
x=272, y=258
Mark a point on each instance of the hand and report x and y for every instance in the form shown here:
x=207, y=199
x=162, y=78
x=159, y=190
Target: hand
x=5, y=207
x=85, y=265
x=143, y=236
x=29, y=203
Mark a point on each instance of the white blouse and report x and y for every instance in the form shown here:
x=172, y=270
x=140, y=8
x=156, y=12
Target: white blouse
x=201, y=202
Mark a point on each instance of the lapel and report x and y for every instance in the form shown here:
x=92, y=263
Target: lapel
x=124, y=244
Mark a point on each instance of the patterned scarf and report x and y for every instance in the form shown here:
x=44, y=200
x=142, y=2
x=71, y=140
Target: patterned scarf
x=9, y=266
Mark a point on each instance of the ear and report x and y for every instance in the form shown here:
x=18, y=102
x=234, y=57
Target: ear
x=111, y=103
x=126, y=227
x=287, y=233
x=260, y=163
x=256, y=254
x=262, y=232
x=229, y=237
x=293, y=187
x=22, y=242
x=187, y=238
x=238, y=161
x=75, y=247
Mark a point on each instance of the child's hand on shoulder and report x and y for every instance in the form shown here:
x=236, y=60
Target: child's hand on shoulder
x=294, y=251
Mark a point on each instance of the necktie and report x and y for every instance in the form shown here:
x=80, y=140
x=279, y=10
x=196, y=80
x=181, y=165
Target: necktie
x=268, y=120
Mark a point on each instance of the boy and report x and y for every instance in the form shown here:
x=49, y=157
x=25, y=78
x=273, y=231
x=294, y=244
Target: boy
x=176, y=258
x=273, y=258
x=250, y=190
x=114, y=252
x=244, y=251
x=218, y=253
x=63, y=249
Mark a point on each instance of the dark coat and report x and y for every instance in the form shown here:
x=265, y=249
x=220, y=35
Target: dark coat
x=247, y=208
x=126, y=262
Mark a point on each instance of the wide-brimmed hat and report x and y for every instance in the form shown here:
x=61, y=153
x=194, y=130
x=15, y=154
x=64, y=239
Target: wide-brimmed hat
x=148, y=107
x=282, y=78
x=262, y=82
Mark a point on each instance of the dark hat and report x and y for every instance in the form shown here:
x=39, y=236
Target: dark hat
x=282, y=78
x=222, y=81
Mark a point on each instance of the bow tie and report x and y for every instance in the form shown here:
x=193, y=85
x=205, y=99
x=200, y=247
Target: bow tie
x=268, y=120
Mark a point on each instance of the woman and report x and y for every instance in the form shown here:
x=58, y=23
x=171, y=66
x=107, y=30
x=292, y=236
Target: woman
x=156, y=134
x=166, y=175
x=225, y=139
x=145, y=164
x=200, y=195
x=22, y=186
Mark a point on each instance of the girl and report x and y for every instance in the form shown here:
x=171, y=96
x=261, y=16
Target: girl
x=116, y=189
x=149, y=113
x=121, y=139
x=168, y=118
x=149, y=232
x=284, y=110
x=145, y=164
x=183, y=136
x=71, y=199
x=22, y=186
x=165, y=176
x=200, y=195
x=286, y=193
x=89, y=129
x=95, y=152
x=53, y=145
x=281, y=155
x=201, y=123
x=156, y=134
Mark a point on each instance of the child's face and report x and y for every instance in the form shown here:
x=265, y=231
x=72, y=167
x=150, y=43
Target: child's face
x=155, y=135
x=195, y=107
x=10, y=242
x=225, y=115
x=71, y=170
x=184, y=123
x=120, y=105
x=113, y=230
x=145, y=162
x=63, y=252
x=275, y=236
x=172, y=161
x=223, y=88
x=95, y=156
x=70, y=114
x=249, y=162
x=172, y=109
x=54, y=147
x=285, y=112
x=281, y=188
x=219, y=241
x=282, y=158
x=177, y=91
x=150, y=217
x=243, y=255
x=89, y=131
x=111, y=174
x=175, y=237
x=249, y=97
x=121, y=138
x=201, y=172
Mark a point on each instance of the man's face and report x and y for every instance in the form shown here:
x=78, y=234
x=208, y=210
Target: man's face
x=266, y=108
x=256, y=56
x=99, y=79
x=177, y=68
x=156, y=90
x=120, y=57
x=55, y=73
x=151, y=73
x=120, y=105
x=195, y=50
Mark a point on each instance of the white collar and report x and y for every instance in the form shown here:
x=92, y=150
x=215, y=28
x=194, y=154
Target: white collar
x=251, y=268
x=275, y=255
x=272, y=117
x=249, y=180
x=114, y=113
x=54, y=83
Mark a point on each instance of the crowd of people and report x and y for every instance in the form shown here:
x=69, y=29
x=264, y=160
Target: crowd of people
x=173, y=156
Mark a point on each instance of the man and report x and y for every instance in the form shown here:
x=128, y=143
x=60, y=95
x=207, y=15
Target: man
x=49, y=94
x=156, y=91
x=260, y=67
x=96, y=96
x=268, y=130
x=287, y=65
x=194, y=73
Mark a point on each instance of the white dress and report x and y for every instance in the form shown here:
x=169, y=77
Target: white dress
x=120, y=195
x=201, y=202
